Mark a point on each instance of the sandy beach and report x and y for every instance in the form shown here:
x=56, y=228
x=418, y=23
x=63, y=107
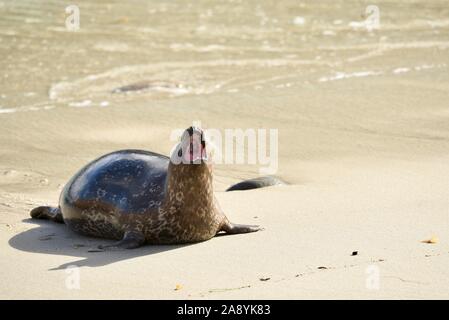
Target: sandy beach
x=363, y=123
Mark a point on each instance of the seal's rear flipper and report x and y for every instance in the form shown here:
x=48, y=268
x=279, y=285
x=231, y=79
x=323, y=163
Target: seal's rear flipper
x=131, y=240
x=233, y=228
x=47, y=213
x=256, y=183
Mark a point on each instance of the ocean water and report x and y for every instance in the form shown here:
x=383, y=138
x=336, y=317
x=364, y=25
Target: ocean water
x=139, y=49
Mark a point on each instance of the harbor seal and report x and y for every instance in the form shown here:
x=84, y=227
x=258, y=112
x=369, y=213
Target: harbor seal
x=139, y=197
x=255, y=183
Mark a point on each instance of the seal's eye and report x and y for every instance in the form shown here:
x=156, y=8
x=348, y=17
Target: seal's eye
x=180, y=153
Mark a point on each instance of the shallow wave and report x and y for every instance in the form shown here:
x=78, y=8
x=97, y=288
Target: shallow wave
x=395, y=71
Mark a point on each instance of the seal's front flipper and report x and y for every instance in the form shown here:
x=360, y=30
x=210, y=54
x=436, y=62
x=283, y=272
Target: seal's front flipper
x=233, y=228
x=47, y=213
x=131, y=240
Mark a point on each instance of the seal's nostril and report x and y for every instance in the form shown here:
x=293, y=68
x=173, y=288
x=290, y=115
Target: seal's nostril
x=190, y=131
x=180, y=153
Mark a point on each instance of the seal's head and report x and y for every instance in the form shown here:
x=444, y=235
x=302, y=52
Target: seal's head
x=192, y=148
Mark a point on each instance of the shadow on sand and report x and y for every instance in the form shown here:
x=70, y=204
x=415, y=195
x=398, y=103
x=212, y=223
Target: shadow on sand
x=57, y=239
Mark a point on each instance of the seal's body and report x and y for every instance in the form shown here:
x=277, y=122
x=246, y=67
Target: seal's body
x=141, y=197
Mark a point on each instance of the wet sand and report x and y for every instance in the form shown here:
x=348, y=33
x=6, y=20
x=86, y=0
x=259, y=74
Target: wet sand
x=363, y=143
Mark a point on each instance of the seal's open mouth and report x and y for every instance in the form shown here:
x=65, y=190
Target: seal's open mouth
x=194, y=146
